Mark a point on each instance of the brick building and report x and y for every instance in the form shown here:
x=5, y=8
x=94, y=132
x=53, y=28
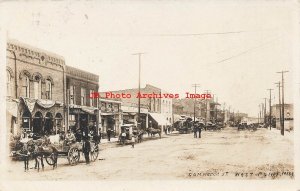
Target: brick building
x=288, y=115
x=82, y=109
x=110, y=115
x=35, y=84
x=159, y=109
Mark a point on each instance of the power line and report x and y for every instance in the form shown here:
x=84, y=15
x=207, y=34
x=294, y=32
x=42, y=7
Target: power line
x=244, y=52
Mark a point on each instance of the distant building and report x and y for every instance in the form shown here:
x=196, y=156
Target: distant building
x=110, y=115
x=159, y=109
x=288, y=115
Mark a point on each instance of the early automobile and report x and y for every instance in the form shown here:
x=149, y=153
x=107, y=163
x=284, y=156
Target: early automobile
x=128, y=131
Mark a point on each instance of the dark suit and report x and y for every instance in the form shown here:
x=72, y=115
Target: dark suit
x=86, y=148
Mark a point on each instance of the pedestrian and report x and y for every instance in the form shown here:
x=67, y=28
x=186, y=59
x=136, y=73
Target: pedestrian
x=100, y=134
x=199, y=129
x=195, y=131
x=86, y=148
x=132, y=141
x=108, y=134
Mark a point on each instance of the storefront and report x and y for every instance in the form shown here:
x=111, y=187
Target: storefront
x=130, y=115
x=82, y=116
x=39, y=116
x=158, y=120
x=110, y=114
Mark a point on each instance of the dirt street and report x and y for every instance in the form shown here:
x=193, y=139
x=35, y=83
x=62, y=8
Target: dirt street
x=228, y=154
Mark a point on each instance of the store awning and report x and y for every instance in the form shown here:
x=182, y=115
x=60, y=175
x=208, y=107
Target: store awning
x=83, y=109
x=12, y=107
x=177, y=117
x=30, y=103
x=159, y=118
x=45, y=103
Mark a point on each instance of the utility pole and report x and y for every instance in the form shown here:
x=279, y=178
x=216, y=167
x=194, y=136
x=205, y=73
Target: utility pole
x=270, y=102
x=259, y=114
x=262, y=112
x=195, y=86
x=282, y=113
x=139, y=98
x=265, y=110
x=206, y=108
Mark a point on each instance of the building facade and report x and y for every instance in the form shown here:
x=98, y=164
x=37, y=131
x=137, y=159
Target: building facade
x=82, y=108
x=35, y=84
x=288, y=115
x=157, y=107
x=110, y=116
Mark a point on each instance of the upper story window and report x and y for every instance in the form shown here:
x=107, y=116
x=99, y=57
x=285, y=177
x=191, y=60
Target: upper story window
x=83, y=96
x=92, y=100
x=25, y=83
x=48, y=89
x=37, y=86
x=72, y=95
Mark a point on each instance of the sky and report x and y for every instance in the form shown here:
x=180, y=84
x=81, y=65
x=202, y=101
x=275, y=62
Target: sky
x=233, y=48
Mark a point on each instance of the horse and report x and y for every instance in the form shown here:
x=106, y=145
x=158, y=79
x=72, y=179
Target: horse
x=46, y=150
x=22, y=152
x=36, y=150
x=153, y=132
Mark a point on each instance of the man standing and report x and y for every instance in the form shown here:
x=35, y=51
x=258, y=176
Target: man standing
x=195, y=128
x=108, y=133
x=86, y=148
x=199, y=129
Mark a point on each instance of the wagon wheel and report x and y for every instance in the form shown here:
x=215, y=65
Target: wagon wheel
x=94, y=153
x=73, y=156
x=49, y=160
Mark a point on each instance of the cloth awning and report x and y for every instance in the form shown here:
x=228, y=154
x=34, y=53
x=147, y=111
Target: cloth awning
x=45, y=103
x=86, y=109
x=12, y=107
x=30, y=103
x=159, y=118
x=177, y=117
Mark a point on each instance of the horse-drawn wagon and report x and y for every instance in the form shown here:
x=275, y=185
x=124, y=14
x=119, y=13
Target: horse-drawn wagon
x=72, y=150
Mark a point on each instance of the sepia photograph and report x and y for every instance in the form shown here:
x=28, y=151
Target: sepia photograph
x=170, y=94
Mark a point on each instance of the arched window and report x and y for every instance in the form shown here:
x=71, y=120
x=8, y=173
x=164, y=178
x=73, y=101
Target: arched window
x=8, y=83
x=37, y=86
x=25, y=86
x=48, y=89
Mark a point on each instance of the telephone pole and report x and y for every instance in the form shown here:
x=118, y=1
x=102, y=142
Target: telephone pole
x=265, y=110
x=195, y=86
x=139, y=102
x=270, y=115
x=282, y=112
x=206, y=108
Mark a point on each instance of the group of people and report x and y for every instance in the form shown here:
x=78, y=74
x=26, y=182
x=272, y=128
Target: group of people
x=84, y=134
x=197, y=127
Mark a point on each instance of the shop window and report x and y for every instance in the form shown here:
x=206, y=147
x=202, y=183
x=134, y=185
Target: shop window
x=26, y=121
x=103, y=106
